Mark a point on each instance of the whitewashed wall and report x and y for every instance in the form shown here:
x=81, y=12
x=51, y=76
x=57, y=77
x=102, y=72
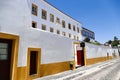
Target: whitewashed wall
x=93, y=51
x=115, y=50
x=50, y=9
x=15, y=18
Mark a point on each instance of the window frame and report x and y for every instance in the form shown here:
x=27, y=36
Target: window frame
x=58, y=31
x=34, y=13
x=51, y=29
x=63, y=24
x=69, y=26
x=51, y=18
x=74, y=28
x=57, y=20
x=35, y=24
x=44, y=27
x=44, y=14
x=64, y=33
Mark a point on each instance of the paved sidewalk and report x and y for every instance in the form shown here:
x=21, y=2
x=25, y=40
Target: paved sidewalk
x=81, y=71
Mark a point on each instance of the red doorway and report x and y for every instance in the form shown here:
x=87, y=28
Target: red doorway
x=80, y=57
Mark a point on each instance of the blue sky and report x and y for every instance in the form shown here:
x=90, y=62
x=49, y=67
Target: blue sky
x=100, y=16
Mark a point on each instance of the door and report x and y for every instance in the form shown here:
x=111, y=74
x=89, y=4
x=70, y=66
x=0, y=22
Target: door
x=33, y=62
x=5, y=59
x=80, y=57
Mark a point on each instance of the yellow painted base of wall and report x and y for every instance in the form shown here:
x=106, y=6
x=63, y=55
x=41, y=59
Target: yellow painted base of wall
x=48, y=69
x=45, y=69
x=96, y=60
x=22, y=73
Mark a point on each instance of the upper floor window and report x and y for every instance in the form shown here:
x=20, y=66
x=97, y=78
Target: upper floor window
x=63, y=23
x=74, y=37
x=74, y=29
x=51, y=17
x=34, y=9
x=64, y=34
x=69, y=26
x=58, y=20
x=44, y=14
x=78, y=29
x=69, y=35
x=43, y=27
x=51, y=29
x=58, y=32
x=34, y=24
x=77, y=38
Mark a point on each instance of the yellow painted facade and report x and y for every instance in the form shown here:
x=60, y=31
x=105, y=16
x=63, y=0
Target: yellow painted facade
x=96, y=60
x=45, y=69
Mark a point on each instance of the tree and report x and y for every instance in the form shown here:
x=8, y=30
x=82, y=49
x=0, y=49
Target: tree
x=115, y=42
x=109, y=42
x=87, y=39
x=115, y=38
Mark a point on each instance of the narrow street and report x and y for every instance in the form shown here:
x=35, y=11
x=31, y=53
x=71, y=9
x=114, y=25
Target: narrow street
x=108, y=70
x=111, y=72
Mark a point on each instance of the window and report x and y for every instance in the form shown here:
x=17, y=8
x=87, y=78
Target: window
x=69, y=26
x=63, y=24
x=77, y=38
x=51, y=17
x=78, y=29
x=74, y=37
x=51, y=29
x=34, y=24
x=34, y=9
x=74, y=28
x=58, y=32
x=43, y=27
x=58, y=20
x=44, y=14
x=69, y=35
x=64, y=34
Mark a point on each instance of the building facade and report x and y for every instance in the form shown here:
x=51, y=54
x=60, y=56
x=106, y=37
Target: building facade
x=48, y=18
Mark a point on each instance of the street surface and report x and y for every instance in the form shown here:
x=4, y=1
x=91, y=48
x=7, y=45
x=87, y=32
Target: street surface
x=108, y=70
x=111, y=72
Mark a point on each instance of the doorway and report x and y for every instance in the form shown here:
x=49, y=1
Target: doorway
x=33, y=66
x=80, y=58
x=5, y=58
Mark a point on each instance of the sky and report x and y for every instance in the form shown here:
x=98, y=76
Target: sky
x=99, y=16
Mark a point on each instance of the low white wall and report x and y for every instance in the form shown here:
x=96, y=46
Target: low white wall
x=116, y=52
x=54, y=48
x=93, y=51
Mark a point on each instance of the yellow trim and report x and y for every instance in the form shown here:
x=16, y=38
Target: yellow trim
x=30, y=77
x=96, y=60
x=76, y=42
x=14, y=54
x=84, y=52
x=21, y=73
x=53, y=68
x=44, y=70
